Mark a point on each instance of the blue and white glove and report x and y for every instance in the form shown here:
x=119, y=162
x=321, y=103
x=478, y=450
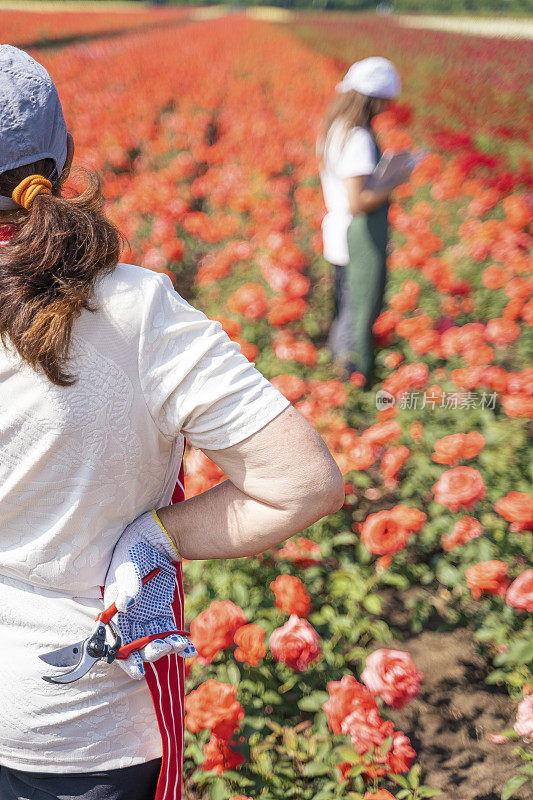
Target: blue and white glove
x=145, y=610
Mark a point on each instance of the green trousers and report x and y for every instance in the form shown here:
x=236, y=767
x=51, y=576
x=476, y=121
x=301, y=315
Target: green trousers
x=365, y=283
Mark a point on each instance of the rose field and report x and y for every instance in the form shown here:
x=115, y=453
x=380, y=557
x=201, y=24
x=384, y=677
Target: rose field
x=386, y=651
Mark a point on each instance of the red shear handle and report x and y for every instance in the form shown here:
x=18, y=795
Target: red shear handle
x=137, y=644
x=107, y=615
x=125, y=651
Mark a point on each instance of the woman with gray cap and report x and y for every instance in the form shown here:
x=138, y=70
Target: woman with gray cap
x=104, y=370
x=355, y=228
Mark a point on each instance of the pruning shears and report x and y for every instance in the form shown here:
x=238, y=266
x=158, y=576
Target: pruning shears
x=83, y=655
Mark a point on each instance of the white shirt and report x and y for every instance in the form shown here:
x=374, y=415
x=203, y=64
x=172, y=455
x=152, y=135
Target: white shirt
x=356, y=155
x=77, y=464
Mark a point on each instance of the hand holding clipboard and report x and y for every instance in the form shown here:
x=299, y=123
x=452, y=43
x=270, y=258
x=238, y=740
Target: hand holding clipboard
x=394, y=169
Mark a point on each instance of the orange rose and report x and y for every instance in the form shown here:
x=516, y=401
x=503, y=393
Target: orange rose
x=451, y=449
x=291, y=386
x=213, y=629
x=393, y=461
x=303, y=552
x=488, y=577
x=250, y=300
x=250, y=640
x=213, y=706
x=464, y=530
x=291, y=595
x=517, y=508
x=382, y=433
x=517, y=405
x=383, y=794
x=460, y=487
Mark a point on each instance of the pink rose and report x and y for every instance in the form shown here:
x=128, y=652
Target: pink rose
x=524, y=718
x=296, y=643
x=520, y=592
x=392, y=675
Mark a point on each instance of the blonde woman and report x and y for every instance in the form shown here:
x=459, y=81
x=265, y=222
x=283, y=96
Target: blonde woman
x=355, y=228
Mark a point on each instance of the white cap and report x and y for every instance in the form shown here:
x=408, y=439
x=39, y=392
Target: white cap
x=375, y=77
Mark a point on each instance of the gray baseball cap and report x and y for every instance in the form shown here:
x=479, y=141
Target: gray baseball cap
x=32, y=125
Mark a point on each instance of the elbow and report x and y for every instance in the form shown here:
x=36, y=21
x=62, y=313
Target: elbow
x=327, y=494
x=335, y=494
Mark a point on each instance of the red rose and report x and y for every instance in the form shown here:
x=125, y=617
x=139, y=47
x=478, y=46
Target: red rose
x=214, y=706
x=291, y=595
x=213, y=629
x=392, y=675
x=488, y=577
x=401, y=755
x=464, y=530
x=520, y=592
x=517, y=508
x=296, y=644
x=219, y=756
x=460, y=487
x=250, y=640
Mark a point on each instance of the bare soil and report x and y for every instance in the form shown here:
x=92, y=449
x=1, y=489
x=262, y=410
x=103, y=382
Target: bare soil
x=450, y=719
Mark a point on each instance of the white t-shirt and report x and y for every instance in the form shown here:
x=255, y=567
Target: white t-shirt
x=356, y=155
x=77, y=464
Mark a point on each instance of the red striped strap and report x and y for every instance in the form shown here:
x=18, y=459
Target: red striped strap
x=166, y=681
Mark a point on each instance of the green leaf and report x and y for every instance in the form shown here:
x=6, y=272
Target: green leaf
x=272, y=697
x=372, y=603
x=427, y=791
x=234, y=674
x=400, y=780
x=218, y=790
x=316, y=768
x=347, y=753
x=313, y=702
x=346, y=537
x=414, y=776
x=512, y=785
x=385, y=746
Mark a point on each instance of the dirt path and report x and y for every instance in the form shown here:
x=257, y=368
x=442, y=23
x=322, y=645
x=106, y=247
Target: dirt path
x=507, y=28
x=449, y=721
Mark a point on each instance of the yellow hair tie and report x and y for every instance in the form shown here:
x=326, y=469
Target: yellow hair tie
x=28, y=189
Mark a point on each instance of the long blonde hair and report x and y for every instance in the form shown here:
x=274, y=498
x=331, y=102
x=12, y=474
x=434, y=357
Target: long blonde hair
x=350, y=110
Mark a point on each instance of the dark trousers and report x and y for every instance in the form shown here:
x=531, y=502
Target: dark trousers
x=131, y=783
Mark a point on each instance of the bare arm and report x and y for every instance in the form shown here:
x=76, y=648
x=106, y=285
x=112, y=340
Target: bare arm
x=281, y=480
x=363, y=199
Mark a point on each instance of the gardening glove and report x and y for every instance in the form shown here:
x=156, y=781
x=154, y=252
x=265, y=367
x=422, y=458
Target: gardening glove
x=145, y=610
